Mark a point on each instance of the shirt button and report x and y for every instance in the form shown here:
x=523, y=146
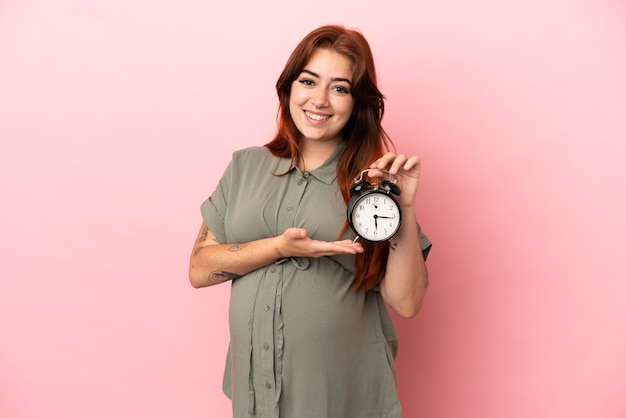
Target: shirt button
x=273, y=270
x=290, y=207
x=266, y=307
x=266, y=346
x=268, y=385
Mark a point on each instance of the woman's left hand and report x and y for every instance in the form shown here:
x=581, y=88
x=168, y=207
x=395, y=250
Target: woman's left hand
x=405, y=169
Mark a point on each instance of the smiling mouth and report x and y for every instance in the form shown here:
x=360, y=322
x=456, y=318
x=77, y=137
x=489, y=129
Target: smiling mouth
x=315, y=117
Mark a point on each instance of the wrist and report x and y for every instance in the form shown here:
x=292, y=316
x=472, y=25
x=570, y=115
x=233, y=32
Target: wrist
x=278, y=247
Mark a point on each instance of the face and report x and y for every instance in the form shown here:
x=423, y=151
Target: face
x=320, y=102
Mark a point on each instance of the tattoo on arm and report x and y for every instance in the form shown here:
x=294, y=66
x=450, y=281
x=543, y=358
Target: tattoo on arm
x=216, y=277
x=236, y=247
x=222, y=276
x=278, y=253
x=203, y=234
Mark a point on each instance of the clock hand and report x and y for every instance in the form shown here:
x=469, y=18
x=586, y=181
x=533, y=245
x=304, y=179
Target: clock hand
x=376, y=222
x=385, y=217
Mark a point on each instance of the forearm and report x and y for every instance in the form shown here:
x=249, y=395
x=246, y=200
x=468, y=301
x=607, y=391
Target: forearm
x=406, y=277
x=213, y=263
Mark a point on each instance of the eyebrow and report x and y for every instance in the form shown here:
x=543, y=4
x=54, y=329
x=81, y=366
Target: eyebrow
x=334, y=79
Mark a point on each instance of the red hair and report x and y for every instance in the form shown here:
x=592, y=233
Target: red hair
x=364, y=136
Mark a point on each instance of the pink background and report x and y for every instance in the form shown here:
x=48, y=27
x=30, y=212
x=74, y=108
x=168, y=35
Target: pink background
x=117, y=118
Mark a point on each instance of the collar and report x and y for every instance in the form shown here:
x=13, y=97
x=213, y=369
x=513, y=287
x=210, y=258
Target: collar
x=326, y=173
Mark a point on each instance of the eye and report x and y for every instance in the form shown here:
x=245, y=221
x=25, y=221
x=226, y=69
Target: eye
x=306, y=81
x=341, y=90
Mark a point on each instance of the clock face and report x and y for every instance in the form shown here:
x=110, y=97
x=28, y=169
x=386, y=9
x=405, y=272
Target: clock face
x=374, y=216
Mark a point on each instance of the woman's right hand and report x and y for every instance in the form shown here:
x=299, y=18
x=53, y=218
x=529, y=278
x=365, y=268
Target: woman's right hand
x=212, y=263
x=295, y=242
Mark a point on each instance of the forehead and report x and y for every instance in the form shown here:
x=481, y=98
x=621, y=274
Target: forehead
x=329, y=63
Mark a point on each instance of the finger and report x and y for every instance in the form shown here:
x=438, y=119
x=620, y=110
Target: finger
x=347, y=248
x=397, y=163
x=383, y=161
x=349, y=243
x=413, y=162
x=296, y=233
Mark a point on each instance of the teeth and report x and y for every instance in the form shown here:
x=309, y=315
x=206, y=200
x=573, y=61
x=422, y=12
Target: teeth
x=316, y=117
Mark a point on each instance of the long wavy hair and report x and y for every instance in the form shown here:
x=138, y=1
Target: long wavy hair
x=364, y=136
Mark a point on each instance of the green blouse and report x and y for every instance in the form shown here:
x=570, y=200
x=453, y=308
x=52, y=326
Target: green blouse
x=302, y=343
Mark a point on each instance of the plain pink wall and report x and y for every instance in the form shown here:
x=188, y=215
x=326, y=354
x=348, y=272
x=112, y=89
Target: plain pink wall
x=117, y=119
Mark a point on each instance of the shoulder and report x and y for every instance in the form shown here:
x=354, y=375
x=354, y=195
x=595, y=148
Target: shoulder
x=256, y=161
x=255, y=153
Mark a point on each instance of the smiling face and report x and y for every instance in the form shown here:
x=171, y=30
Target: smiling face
x=320, y=102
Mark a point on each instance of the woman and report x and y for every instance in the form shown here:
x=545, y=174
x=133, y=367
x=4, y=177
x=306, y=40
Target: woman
x=310, y=332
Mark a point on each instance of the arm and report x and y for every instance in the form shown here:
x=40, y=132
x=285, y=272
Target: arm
x=404, y=285
x=212, y=262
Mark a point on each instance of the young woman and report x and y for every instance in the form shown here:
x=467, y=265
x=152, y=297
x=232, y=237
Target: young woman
x=310, y=332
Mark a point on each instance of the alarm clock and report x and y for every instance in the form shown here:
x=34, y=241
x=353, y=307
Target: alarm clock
x=373, y=212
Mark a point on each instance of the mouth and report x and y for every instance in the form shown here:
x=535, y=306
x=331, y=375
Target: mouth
x=315, y=117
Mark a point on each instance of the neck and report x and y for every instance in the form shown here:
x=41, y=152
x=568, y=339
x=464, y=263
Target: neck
x=315, y=153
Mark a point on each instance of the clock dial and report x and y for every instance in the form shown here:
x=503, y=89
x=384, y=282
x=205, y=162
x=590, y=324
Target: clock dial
x=375, y=216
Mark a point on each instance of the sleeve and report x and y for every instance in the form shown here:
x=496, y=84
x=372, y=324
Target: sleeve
x=215, y=207
x=425, y=243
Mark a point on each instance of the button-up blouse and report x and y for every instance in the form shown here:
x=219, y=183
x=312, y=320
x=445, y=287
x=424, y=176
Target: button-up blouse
x=302, y=343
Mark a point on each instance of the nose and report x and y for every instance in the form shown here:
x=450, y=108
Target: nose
x=320, y=98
